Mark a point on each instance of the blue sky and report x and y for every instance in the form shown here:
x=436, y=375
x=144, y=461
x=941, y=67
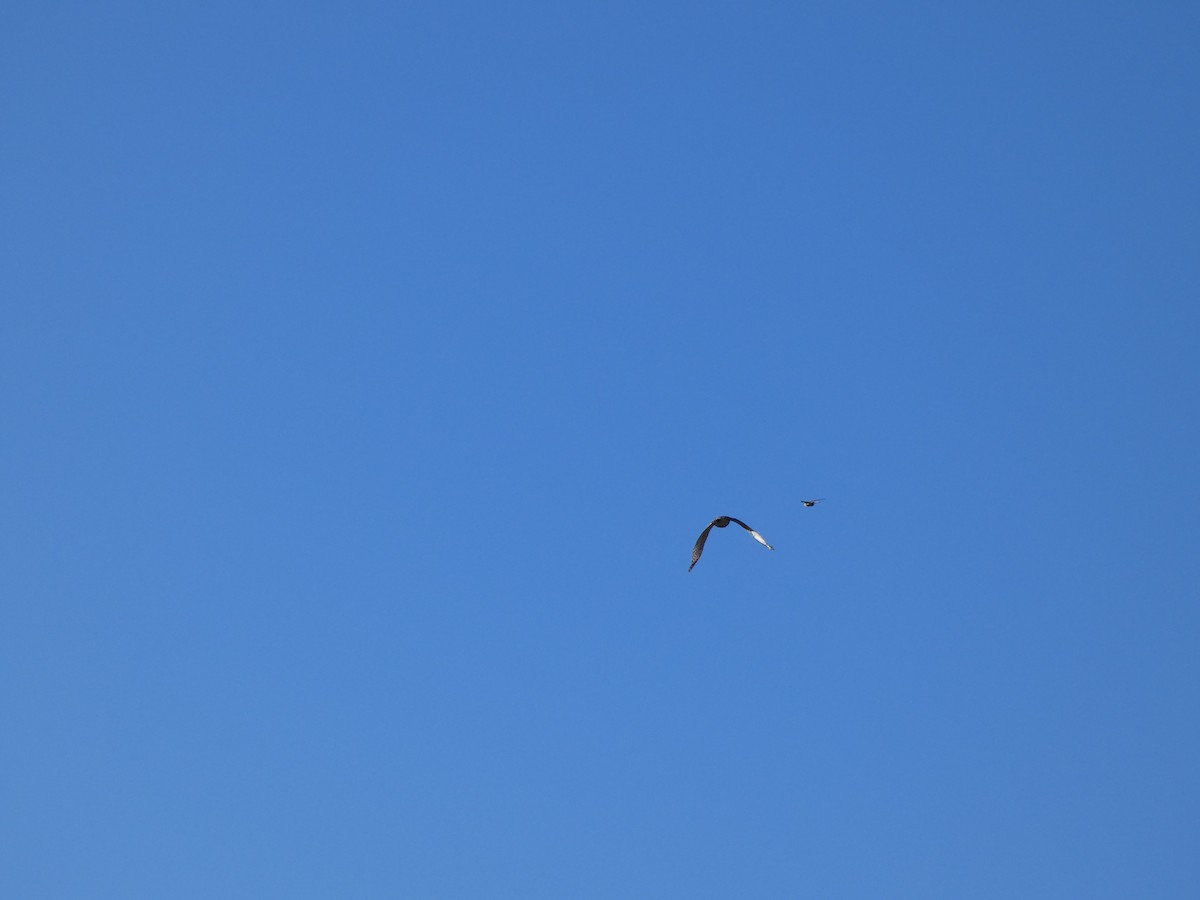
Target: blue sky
x=369, y=370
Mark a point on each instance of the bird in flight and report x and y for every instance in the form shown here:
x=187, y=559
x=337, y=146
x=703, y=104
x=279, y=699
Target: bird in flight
x=812, y=502
x=721, y=522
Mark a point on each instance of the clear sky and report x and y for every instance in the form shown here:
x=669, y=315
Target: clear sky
x=369, y=369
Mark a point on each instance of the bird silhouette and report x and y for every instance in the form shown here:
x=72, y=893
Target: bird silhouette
x=721, y=522
x=811, y=502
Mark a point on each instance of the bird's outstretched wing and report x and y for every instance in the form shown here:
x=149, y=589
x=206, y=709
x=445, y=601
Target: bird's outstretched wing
x=754, y=534
x=812, y=502
x=699, y=548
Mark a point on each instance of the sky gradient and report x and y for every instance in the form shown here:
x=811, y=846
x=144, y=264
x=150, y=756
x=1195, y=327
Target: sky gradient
x=369, y=370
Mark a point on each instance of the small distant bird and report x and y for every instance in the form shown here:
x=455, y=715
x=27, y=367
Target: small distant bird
x=721, y=522
x=812, y=502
